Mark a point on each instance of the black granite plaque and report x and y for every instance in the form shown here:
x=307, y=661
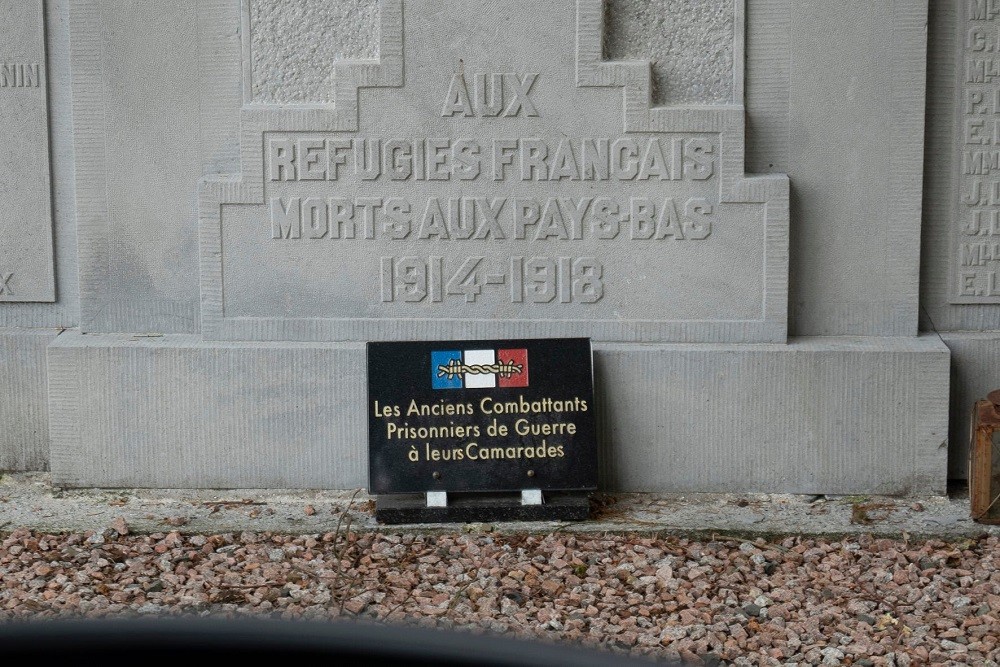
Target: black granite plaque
x=497, y=415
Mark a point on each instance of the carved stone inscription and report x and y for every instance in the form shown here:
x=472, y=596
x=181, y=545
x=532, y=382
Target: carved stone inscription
x=976, y=251
x=26, y=253
x=528, y=218
x=493, y=180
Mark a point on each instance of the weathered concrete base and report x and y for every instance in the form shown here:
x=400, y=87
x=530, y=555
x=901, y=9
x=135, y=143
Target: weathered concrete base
x=24, y=437
x=975, y=371
x=820, y=415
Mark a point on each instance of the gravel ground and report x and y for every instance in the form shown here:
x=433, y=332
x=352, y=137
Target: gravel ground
x=858, y=600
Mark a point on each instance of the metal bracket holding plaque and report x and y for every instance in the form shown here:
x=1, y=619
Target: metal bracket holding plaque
x=532, y=497
x=437, y=498
x=499, y=430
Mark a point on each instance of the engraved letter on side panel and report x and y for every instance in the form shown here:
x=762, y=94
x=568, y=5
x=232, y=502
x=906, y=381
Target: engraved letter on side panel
x=26, y=254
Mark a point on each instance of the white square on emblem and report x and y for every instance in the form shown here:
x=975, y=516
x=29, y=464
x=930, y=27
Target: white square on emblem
x=480, y=378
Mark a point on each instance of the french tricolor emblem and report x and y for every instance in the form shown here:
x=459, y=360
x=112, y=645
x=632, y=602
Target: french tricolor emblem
x=479, y=369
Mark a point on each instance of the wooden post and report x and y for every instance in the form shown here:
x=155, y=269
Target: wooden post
x=984, y=461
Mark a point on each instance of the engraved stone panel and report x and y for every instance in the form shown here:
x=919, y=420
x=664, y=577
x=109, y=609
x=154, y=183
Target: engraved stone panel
x=975, y=251
x=958, y=242
x=491, y=175
x=27, y=271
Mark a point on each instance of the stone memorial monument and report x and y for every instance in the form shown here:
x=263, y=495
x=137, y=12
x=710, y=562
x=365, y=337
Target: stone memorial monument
x=211, y=206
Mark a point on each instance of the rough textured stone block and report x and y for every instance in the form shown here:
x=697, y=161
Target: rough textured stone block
x=24, y=429
x=816, y=416
x=690, y=45
x=292, y=44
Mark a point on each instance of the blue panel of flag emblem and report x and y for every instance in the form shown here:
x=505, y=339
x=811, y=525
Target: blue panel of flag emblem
x=493, y=415
x=441, y=376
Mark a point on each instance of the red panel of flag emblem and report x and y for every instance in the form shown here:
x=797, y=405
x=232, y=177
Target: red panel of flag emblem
x=515, y=365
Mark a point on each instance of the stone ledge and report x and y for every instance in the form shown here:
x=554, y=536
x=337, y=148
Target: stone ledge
x=30, y=501
x=819, y=415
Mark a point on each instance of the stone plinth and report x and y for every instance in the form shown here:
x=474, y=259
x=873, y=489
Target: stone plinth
x=819, y=415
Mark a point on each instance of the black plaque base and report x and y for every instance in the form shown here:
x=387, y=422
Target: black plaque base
x=481, y=507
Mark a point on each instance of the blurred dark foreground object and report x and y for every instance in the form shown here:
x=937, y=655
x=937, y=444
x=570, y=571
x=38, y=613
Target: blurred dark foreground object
x=218, y=641
x=984, y=460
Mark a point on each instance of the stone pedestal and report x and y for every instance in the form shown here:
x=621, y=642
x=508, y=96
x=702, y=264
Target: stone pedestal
x=819, y=415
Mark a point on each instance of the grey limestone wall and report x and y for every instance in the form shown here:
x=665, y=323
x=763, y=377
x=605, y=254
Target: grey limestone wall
x=690, y=45
x=834, y=97
x=293, y=42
